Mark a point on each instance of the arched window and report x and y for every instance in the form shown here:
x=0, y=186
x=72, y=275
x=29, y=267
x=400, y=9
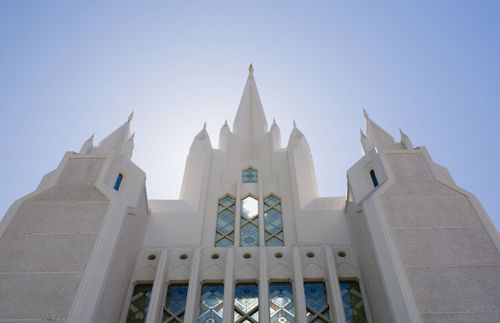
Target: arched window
x=273, y=221
x=250, y=175
x=224, y=235
x=118, y=182
x=374, y=178
x=249, y=222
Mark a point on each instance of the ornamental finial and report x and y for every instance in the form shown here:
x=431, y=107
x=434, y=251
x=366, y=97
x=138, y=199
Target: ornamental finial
x=250, y=68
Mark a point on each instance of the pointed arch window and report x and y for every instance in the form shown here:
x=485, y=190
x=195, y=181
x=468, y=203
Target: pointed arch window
x=250, y=175
x=249, y=222
x=224, y=235
x=273, y=221
x=246, y=303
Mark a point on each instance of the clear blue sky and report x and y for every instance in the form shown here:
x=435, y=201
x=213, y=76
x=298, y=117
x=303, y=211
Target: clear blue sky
x=68, y=69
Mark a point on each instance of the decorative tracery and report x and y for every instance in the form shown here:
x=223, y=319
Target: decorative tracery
x=249, y=222
x=246, y=303
x=211, y=303
x=175, y=303
x=353, y=302
x=224, y=235
x=273, y=221
x=250, y=175
x=281, y=307
x=317, y=307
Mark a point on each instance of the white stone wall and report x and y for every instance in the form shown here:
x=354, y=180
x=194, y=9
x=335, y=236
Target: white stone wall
x=45, y=249
x=451, y=262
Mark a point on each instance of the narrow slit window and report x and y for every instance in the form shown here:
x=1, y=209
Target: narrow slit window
x=317, y=306
x=281, y=308
x=139, y=303
x=118, y=182
x=250, y=175
x=224, y=235
x=353, y=302
x=249, y=222
x=175, y=303
x=273, y=221
x=374, y=178
x=246, y=303
x=211, y=303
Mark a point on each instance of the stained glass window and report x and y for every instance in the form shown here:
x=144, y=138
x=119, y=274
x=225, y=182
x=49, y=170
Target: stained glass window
x=211, y=303
x=249, y=222
x=118, y=182
x=273, y=221
x=139, y=303
x=281, y=308
x=175, y=303
x=250, y=175
x=353, y=302
x=317, y=307
x=246, y=303
x=374, y=178
x=224, y=235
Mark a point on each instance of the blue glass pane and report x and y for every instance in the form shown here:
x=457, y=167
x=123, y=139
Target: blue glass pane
x=139, y=303
x=281, y=308
x=273, y=221
x=246, y=303
x=118, y=182
x=211, y=303
x=317, y=306
x=272, y=200
x=226, y=201
x=175, y=303
x=225, y=222
x=249, y=176
x=353, y=302
x=249, y=235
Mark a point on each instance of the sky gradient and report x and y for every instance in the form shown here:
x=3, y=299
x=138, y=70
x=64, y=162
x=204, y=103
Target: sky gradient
x=431, y=68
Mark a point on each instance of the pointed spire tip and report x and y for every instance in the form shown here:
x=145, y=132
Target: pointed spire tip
x=294, y=124
x=250, y=68
x=205, y=126
x=365, y=113
x=131, y=116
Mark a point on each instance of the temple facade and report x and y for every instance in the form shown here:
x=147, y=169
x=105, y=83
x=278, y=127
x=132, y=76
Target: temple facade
x=250, y=239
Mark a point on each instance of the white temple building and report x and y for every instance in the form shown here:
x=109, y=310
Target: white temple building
x=250, y=239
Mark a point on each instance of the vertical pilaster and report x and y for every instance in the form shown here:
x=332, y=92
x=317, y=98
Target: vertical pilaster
x=298, y=287
x=263, y=286
x=229, y=286
x=156, y=301
x=237, y=216
x=333, y=281
x=193, y=288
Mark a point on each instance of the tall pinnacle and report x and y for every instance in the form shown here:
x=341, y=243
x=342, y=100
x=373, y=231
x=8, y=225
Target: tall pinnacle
x=250, y=123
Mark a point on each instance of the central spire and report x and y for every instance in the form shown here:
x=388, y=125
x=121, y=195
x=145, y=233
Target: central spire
x=250, y=123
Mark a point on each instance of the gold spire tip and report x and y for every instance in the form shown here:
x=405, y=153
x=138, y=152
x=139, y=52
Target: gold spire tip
x=250, y=68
